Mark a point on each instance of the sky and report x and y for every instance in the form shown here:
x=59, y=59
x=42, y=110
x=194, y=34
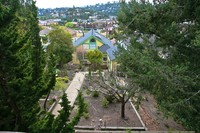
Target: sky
x=68, y=3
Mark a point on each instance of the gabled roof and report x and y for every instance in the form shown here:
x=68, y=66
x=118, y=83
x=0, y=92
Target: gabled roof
x=104, y=48
x=95, y=34
x=111, y=52
x=44, y=32
x=71, y=31
x=107, y=46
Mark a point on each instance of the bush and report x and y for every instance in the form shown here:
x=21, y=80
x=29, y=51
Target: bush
x=65, y=79
x=88, y=92
x=86, y=115
x=95, y=94
x=128, y=131
x=61, y=83
x=104, y=103
x=110, y=98
x=86, y=107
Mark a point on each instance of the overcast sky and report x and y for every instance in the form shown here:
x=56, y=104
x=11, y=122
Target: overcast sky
x=68, y=3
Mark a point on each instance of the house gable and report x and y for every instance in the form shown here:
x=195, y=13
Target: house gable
x=92, y=34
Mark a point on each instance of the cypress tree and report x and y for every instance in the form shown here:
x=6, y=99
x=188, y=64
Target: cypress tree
x=26, y=72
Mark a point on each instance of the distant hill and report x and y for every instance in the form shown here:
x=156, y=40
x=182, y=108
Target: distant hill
x=99, y=11
x=109, y=8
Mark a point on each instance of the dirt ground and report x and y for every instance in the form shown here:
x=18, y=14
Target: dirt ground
x=110, y=116
x=154, y=119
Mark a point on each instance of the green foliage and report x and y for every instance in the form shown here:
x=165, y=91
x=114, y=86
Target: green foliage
x=128, y=131
x=95, y=58
x=60, y=46
x=61, y=83
x=23, y=77
x=69, y=24
x=61, y=123
x=165, y=59
x=86, y=107
x=104, y=103
x=110, y=98
x=88, y=92
x=26, y=72
x=82, y=107
x=86, y=115
x=50, y=124
x=95, y=94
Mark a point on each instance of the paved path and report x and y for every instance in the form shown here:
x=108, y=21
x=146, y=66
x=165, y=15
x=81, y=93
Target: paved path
x=72, y=91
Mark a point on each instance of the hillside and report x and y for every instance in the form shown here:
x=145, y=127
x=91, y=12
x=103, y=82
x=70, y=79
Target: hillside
x=98, y=11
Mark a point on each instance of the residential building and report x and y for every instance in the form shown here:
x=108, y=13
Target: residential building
x=93, y=40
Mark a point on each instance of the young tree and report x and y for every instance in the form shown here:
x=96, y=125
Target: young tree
x=95, y=57
x=62, y=123
x=119, y=88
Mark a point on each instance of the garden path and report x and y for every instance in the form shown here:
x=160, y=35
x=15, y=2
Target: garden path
x=72, y=91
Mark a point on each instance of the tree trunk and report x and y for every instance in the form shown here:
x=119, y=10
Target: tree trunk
x=45, y=102
x=123, y=108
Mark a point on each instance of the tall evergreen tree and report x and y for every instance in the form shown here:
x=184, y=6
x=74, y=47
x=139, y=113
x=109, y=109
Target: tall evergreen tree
x=161, y=53
x=26, y=72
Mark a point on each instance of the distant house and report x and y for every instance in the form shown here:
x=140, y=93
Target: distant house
x=45, y=31
x=44, y=37
x=94, y=40
x=71, y=31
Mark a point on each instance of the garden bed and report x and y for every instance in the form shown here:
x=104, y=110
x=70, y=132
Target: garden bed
x=101, y=117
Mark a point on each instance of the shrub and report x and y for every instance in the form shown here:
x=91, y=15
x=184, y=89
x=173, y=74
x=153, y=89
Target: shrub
x=110, y=98
x=86, y=107
x=86, y=115
x=104, y=103
x=61, y=83
x=95, y=94
x=65, y=79
x=128, y=131
x=88, y=92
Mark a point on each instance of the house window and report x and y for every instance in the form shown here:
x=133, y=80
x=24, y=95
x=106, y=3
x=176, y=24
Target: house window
x=92, y=46
x=105, y=59
x=92, y=43
x=85, y=46
x=92, y=40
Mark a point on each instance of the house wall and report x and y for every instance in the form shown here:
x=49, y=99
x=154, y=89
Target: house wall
x=81, y=50
x=99, y=44
x=87, y=42
x=112, y=65
x=75, y=59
